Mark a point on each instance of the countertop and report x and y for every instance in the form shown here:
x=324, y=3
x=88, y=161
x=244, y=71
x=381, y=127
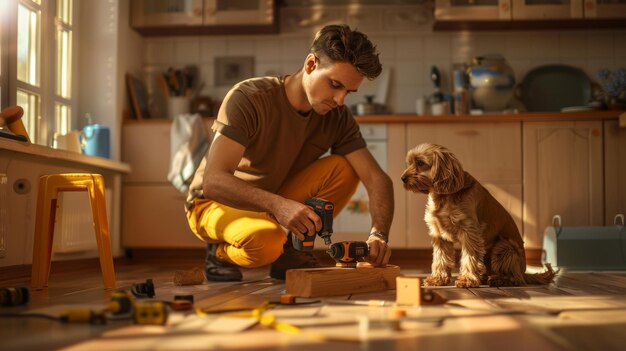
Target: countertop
x=63, y=155
x=527, y=117
x=534, y=116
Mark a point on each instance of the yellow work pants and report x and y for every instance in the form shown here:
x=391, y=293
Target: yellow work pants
x=253, y=239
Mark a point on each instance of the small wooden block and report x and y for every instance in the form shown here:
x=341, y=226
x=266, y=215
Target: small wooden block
x=409, y=291
x=333, y=281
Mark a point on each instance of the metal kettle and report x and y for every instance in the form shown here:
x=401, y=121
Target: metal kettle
x=369, y=107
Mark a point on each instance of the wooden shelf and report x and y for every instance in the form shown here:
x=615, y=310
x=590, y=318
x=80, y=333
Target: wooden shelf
x=526, y=116
x=479, y=25
x=206, y=30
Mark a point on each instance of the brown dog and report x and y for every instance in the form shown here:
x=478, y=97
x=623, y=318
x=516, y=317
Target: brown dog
x=460, y=209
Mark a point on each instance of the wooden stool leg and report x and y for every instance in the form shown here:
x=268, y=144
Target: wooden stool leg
x=101, y=226
x=44, y=233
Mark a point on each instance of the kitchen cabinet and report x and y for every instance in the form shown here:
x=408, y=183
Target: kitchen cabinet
x=604, y=8
x=547, y=9
x=491, y=152
x=473, y=10
x=303, y=17
x=202, y=17
x=153, y=213
x=562, y=175
x=523, y=14
x=507, y=9
x=614, y=170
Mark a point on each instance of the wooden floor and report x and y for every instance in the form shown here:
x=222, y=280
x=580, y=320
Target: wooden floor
x=581, y=311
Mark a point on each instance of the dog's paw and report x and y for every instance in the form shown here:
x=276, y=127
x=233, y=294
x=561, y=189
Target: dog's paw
x=436, y=281
x=466, y=282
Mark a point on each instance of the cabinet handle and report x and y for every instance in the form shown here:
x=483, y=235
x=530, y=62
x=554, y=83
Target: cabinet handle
x=467, y=132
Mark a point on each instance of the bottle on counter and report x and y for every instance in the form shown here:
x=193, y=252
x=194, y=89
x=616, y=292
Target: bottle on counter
x=461, y=96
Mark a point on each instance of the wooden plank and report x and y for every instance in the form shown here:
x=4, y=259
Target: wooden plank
x=317, y=282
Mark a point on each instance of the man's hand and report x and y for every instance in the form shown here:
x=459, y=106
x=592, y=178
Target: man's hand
x=298, y=218
x=379, y=252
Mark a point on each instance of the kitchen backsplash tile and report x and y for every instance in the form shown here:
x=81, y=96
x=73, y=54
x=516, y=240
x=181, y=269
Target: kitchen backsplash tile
x=409, y=55
x=545, y=46
x=210, y=48
x=600, y=45
x=240, y=48
x=187, y=51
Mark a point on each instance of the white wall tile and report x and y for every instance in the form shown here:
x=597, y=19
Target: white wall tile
x=268, y=68
x=490, y=43
x=517, y=45
x=160, y=51
x=437, y=46
x=187, y=51
x=386, y=46
x=620, y=47
x=295, y=49
x=572, y=45
x=405, y=96
x=240, y=48
x=600, y=45
x=211, y=48
x=409, y=72
x=409, y=47
x=544, y=46
x=268, y=50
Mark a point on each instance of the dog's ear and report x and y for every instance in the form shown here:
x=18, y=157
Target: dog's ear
x=447, y=172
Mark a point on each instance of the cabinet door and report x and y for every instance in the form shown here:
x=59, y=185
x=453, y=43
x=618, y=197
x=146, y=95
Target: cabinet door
x=150, y=13
x=154, y=216
x=605, y=8
x=309, y=19
x=547, y=9
x=562, y=175
x=146, y=147
x=614, y=170
x=473, y=9
x=491, y=152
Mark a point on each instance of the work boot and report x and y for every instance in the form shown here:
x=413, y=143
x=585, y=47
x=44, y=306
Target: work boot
x=218, y=271
x=290, y=259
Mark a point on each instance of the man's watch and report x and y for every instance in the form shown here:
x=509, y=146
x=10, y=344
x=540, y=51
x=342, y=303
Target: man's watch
x=381, y=235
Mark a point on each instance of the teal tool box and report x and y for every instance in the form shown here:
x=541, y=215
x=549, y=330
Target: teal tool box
x=585, y=248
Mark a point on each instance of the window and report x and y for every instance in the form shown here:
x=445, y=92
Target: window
x=37, y=63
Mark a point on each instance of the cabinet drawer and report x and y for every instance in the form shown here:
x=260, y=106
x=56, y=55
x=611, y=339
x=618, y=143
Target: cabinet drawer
x=154, y=216
x=374, y=131
x=488, y=151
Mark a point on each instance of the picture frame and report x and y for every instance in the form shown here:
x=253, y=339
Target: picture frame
x=138, y=97
x=230, y=70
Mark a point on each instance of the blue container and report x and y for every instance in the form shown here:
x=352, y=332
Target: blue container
x=96, y=141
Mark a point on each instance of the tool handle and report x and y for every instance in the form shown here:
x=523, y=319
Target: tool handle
x=303, y=245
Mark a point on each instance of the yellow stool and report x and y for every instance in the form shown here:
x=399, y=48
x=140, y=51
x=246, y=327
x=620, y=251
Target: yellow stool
x=49, y=188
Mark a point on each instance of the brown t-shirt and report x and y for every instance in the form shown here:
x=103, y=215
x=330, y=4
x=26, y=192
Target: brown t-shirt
x=279, y=141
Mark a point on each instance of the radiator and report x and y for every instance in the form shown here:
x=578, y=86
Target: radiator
x=73, y=228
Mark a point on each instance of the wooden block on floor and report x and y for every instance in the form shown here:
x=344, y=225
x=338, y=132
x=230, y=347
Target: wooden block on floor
x=333, y=281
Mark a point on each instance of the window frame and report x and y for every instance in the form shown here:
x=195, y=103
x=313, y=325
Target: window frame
x=46, y=115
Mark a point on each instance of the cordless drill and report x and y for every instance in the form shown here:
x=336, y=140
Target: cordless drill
x=324, y=209
x=347, y=253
